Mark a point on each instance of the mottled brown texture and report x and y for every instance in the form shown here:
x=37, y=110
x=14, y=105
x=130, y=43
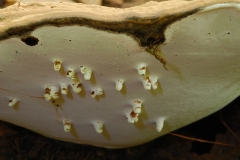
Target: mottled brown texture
x=145, y=31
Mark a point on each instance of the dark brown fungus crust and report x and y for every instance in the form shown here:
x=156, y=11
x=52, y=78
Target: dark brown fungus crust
x=149, y=32
x=145, y=31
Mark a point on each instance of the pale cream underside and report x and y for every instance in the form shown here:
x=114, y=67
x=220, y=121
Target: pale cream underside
x=203, y=76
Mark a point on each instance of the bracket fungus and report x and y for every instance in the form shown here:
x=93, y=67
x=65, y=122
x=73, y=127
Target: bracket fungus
x=179, y=61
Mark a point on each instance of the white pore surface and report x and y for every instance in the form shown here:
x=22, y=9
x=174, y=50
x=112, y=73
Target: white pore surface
x=202, y=54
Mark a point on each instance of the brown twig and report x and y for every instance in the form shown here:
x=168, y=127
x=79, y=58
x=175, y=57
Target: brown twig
x=204, y=141
x=228, y=128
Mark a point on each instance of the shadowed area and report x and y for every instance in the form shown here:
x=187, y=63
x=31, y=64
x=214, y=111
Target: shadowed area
x=19, y=143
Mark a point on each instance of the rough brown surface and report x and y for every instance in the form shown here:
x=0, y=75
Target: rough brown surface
x=110, y=3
